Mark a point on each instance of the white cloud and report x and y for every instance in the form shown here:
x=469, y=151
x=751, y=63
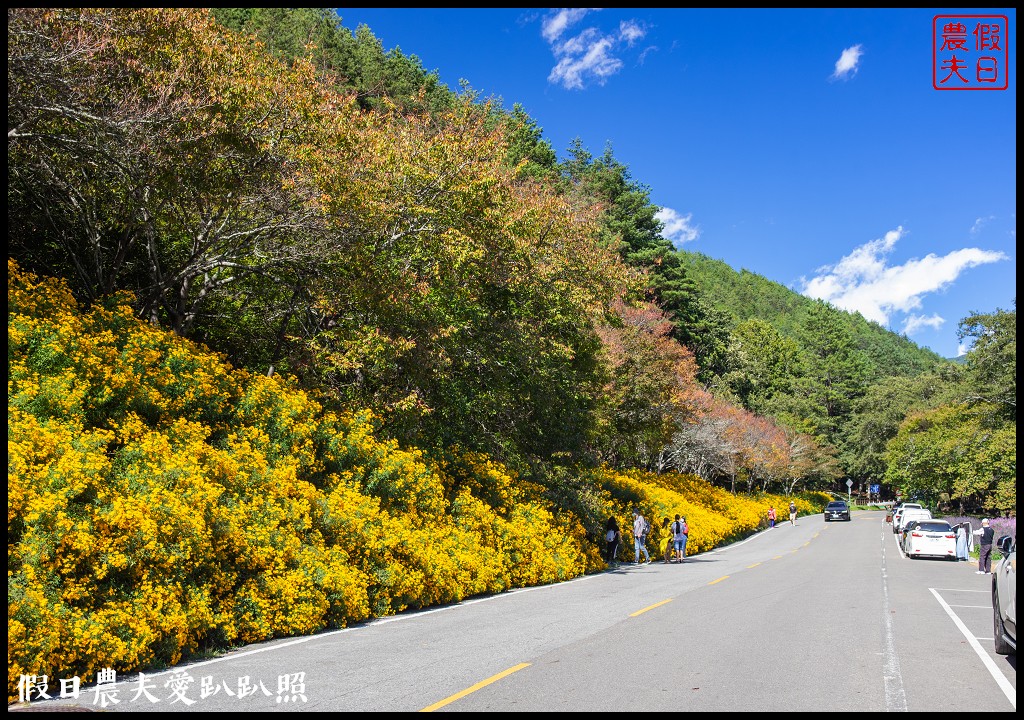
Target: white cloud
x=630, y=31
x=678, y=228
x=554, y=25
x=847, y=62
x=864, y=282
x=913, y=323
x=590, y=55
x=979, y=223
x=962, y=349
x=585, y=56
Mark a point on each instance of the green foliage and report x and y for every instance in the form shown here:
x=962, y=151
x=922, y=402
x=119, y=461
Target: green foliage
x=764, y=364
x=528, y=148
x=351, y=60
x=745, y=295
x=629, y=223
x=297, y=197
x=963, y=445
x=955, y=450
x=992, y=361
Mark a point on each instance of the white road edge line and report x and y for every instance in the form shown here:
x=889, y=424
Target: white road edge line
x=1004, y=684
x=895, y=695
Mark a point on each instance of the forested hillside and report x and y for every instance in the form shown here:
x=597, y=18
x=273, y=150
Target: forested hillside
x=748, y=296
x=329, y=211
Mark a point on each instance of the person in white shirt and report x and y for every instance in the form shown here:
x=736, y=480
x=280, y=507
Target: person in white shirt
x=640, y=528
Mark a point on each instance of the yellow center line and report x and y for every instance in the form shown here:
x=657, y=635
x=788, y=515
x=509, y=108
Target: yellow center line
x=718, y=580
x=650, y=607
x=474, y=688
x=753, y=566
x=807, y=543
x=777, y=557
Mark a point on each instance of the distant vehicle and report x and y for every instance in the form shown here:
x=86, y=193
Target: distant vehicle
x=1004, y=598
x=897, y=511
x=908, y=514
x=929, y=538
x=837, y=510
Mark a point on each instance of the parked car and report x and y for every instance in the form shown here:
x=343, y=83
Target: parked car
x=929, y=538
x=837, y=510
x=901, y=537
x=907, y=515
x=1004, y=597
x=897, y=512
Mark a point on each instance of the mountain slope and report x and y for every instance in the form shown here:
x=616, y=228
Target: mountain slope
x=746, y=295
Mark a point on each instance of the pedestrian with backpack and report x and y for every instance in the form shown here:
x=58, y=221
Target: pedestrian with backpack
x=640, y=529
x=680, y=534
x=612, y=537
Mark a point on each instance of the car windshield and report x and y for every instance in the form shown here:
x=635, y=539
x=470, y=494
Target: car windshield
x=837, y=506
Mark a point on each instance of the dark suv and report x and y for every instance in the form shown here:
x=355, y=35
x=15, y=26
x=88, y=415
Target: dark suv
x=837, y=510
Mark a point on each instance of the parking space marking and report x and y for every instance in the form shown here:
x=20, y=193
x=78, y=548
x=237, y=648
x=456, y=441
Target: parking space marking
x=1001, y=680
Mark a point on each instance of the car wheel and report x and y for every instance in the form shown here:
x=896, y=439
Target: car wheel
x=1001, y=646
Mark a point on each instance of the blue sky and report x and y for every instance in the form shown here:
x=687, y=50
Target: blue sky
x=807, y=146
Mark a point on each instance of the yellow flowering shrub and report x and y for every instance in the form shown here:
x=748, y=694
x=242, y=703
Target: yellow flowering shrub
x=714, y=515
x=162, y=504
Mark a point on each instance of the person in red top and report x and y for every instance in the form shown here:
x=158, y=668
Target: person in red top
x=771, y=516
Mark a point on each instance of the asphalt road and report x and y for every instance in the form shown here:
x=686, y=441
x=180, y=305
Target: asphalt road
x=813, y=617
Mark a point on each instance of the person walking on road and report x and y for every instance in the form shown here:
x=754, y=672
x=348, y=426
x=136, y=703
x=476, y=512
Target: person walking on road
x=792, y=512
x=612, y=537
x=771, y=517
x=680, y=534
x=669, y=552
x=985, y=548
x=640, y=529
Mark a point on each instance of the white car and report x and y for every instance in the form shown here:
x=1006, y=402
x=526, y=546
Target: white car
x=930, y=538
x=907, y=516
x=898, y=512
x=1004, y=598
